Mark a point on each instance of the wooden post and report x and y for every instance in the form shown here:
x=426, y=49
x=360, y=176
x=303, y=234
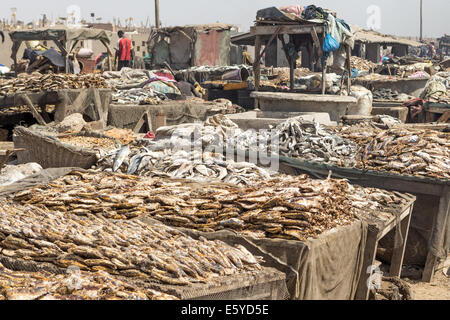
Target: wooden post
x=362, y=292
x=157, y=20
x=324, y=70
x=292, y=63
x=33, y=110
x=399, y=253
x=421, y=20
x=438, y=234
x=349, y=68
x=257, y=66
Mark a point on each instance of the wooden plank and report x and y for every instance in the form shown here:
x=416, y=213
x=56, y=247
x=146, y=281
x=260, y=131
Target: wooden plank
x=392, y=224
x=285, y=29
x=316, y=41
x=269, y=42
x=369, y=179
x=362, y=292
x=98, y=105
x=33, y=110
x=399, y=253
x=144, y=120
x=437, y=109
x=445, y=117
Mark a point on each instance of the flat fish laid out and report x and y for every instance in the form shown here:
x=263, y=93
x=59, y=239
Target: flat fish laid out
x=404, y=151
x=136, y=96
x=132, y=249
x=309, y=141
x=37, y=82
x=285, y=207
x=182, y=164
x=74, y=285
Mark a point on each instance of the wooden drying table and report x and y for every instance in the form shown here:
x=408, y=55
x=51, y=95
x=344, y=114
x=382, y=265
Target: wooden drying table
x=265, y=33
x=66, y=101
x=379, y=227
x=437, y=112
x=389, y=181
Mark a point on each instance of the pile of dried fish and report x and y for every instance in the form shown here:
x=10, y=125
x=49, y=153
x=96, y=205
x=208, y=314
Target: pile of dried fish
x=309, y=141
x=80, y=285
x=293, y=208
x=404, y=151
x=142, y=96
x=362, y=64
x=124, y=136
x=389, y=94
x=36, y=237
x=50, y=82
x=182, y=164
x=91, y=143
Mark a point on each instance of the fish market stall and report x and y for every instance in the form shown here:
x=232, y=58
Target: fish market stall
x=267, y=215
x=150, y=259
x=65, y=39
x=88, y=94
x=176, y=112
x=418, y=165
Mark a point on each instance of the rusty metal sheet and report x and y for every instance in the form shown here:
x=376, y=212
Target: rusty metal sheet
x=212, y=48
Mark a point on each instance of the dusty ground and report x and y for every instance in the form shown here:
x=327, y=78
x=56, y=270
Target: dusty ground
x=438, y=290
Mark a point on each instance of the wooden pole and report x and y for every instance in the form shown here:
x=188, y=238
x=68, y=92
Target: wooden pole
x=421, y=20
x=157, y=21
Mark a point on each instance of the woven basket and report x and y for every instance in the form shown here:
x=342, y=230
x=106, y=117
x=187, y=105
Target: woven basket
x=50, y=152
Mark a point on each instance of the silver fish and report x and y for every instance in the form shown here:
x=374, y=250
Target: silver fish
x=120, y=157
x=134, y=163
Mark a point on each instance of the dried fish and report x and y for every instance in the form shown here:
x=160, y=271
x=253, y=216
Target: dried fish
x=401, y=150
x=274, y=205
x=188, y=165
x=76, y=285
x=50, y=82
x=156, y=253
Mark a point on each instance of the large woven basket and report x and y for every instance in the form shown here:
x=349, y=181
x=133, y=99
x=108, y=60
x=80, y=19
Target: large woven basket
x=50, y=152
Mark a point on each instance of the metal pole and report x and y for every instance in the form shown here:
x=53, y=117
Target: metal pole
x=421, y=20
x=157, y=21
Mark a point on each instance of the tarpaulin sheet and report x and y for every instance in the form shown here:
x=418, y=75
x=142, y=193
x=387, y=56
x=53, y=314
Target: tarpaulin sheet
x=43, y=176
x=326, y=268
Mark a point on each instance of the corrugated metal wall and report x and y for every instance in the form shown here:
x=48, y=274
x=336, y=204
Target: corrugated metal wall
x=212, y=48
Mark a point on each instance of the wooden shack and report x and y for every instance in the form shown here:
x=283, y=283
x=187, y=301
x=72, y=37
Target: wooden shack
x=189, y=46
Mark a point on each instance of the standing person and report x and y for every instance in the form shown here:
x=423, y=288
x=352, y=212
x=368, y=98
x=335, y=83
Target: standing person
x=124, y=54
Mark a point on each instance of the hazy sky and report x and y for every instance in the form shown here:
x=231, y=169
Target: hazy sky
x=400, y=17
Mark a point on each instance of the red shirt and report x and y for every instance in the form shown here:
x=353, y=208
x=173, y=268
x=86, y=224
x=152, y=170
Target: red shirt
x=124, y=49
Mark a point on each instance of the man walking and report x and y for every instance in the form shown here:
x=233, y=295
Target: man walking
x=124, y=54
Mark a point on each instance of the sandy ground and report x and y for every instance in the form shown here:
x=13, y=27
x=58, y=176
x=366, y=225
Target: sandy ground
x=438, y=290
